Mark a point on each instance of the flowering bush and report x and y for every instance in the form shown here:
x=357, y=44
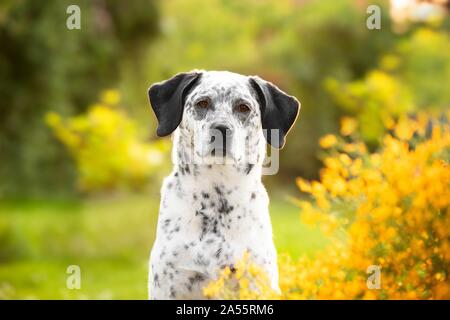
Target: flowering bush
x=388, y=209
x=105, y=145
x=373, y=99
x=247, y=281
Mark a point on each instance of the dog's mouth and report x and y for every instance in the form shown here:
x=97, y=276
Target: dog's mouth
x=219, y=155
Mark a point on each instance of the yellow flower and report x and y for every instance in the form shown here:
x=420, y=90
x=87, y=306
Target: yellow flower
x=345, y=159
x=338, y=187
x=328, y=141
x=404, y=130
x=348, y=126
x=303, y=185
x=243, y=283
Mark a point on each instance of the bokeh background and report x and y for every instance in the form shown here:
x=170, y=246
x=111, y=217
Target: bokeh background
x=80, y=163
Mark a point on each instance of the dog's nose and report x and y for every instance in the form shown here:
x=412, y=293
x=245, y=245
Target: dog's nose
x=221, y=136
x=223, y=129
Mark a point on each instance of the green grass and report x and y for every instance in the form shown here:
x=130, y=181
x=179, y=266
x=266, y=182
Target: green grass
x=100, y=279
x=290, y=234
x=109, y=238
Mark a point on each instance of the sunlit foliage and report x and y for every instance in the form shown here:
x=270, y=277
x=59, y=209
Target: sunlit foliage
x=106, y=147
x=407, y=79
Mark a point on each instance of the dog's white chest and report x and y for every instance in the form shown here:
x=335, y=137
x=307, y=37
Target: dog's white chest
x=204, y=227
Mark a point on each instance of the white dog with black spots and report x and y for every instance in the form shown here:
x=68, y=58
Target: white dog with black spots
x=214, y=207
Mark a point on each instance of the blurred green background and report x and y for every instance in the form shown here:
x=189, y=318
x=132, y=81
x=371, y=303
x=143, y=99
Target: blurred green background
x=80, y=165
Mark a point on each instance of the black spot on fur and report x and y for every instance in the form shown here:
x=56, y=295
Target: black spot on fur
x=215, y=227
x=218, y=190
x=156, y=279
x=172, y=292
x=224, y=206
x=197, y=278
x=201, y=261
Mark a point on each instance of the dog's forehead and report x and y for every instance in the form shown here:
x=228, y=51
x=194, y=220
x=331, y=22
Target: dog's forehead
x=224, y=82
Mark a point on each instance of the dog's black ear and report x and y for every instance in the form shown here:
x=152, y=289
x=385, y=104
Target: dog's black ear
x=167, y=99
x=278, y=110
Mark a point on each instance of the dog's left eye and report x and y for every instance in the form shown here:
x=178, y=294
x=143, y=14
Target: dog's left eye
x=243, y=108
x=203, y=104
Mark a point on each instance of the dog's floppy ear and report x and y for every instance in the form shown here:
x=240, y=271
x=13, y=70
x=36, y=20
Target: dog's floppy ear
x=278, y=110
x=167, y=99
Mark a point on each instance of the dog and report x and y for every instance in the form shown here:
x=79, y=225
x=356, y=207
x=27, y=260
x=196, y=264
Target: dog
x=214, y=207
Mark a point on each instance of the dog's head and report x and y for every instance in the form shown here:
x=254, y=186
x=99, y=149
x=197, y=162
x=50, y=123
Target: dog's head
x=219, y=114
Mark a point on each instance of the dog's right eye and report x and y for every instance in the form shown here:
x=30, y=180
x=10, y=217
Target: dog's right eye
x=202, y=104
